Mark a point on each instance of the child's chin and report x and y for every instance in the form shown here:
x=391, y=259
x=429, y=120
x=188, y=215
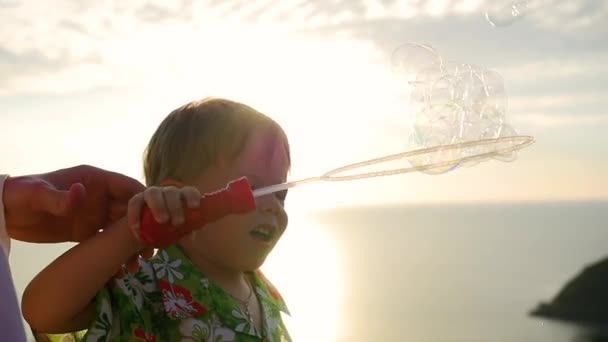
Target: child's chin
x=254, y=265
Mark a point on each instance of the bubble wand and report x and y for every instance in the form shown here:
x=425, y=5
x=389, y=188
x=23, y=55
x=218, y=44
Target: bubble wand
x=446, y=97
x=239, y=198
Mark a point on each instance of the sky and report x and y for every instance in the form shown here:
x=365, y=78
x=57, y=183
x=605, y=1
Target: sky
x=90, y=83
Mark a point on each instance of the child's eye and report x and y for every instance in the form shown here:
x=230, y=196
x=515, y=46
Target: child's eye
x=254, y=187
x=280, y=195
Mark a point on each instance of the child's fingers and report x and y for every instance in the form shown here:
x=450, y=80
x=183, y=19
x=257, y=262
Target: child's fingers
x=192, y=196
x=119, y=273
x=134, y=208
x=175, y=204
x=156, y=202
x=133, y=264
x=147, y=253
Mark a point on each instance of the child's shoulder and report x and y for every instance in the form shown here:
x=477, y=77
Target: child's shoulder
x=268, y=292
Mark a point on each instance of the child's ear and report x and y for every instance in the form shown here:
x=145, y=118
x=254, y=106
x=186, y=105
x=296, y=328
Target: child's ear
x=171, y=182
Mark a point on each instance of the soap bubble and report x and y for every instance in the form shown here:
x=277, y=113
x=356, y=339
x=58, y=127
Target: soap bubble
x=452, y=103
x=411, y=58
x=506, y=15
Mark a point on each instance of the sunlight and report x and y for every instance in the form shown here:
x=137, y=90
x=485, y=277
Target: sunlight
x=89, y=84
x=306, y=269
x=316, y=88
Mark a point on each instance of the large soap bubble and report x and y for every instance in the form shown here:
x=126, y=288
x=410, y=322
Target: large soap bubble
x=458, y=119
x=451, y=103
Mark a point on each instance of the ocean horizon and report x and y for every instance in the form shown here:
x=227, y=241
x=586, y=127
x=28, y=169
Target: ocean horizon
x=422, y=272
x=462, y=272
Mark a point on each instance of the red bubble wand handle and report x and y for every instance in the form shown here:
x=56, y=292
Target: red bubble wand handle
x=236, y=198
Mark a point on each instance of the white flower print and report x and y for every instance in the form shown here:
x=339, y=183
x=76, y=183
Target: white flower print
x=170, y=269
x=244, y=325
x=194, y=330
x=101, y=328
x=177, y=305
x=136, y=286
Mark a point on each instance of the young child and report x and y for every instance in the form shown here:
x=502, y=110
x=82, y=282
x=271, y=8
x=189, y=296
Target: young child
x=206, y=287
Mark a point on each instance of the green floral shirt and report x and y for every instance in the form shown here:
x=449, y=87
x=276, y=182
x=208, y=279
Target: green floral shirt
x=169, y=299
x=71, y=337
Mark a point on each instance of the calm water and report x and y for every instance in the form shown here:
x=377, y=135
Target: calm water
x=422, y=273
x=461, y=273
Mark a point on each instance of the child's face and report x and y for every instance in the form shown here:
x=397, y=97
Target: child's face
x=242, y=242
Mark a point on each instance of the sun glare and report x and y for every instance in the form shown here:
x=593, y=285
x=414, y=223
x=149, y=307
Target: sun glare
x=306, y=269
x=317, y=88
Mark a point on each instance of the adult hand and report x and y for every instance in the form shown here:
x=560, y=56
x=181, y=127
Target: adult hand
x=65, y=205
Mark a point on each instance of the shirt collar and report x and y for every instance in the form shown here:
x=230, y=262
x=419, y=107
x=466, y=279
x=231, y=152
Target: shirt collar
x=269, y=292
x=187, y=292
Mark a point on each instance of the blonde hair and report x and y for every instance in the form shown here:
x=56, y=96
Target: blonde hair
x=193, y=137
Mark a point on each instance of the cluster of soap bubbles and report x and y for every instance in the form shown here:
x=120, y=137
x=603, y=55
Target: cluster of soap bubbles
x=451, y=103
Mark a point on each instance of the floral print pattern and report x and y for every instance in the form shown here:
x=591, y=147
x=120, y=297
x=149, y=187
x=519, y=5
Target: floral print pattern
x=170, y=299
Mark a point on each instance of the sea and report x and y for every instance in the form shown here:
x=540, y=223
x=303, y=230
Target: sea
x=423, y=272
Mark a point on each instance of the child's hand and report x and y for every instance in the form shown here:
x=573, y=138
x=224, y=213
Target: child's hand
x=166, y=204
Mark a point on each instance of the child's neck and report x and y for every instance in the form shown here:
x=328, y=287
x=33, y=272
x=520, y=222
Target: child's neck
x=230, y=280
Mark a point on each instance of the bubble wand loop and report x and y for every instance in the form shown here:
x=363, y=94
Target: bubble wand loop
x=446, y=96
x=515, y=143
x=238, y=198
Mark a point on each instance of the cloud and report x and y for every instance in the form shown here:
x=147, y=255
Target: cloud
x=160, y=12
x=556, y=101
x=66, y=44
x=582, y=18
x=26, y=71
x=551, y=120
x=569, y=109
x=556, y=69
x=586, y=17
x=322, y=63
x=63, y=46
